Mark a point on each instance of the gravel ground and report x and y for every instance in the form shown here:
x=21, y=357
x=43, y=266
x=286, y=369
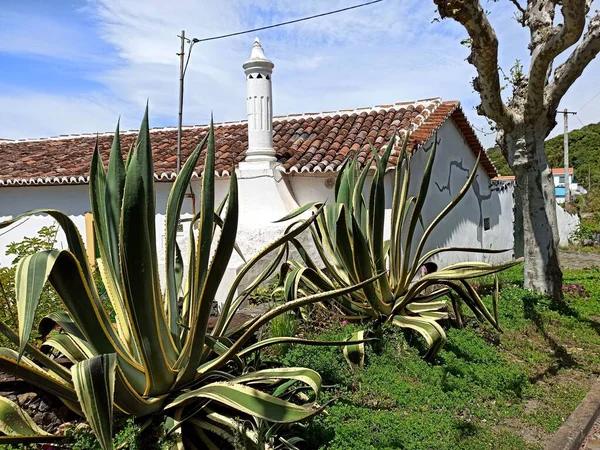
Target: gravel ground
x=579, y=260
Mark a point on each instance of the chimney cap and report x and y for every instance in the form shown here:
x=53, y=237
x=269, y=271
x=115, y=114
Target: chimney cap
x=258, y=60
x=257, y=51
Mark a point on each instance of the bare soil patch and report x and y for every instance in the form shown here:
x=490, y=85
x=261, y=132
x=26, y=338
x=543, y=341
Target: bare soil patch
x=579, y=260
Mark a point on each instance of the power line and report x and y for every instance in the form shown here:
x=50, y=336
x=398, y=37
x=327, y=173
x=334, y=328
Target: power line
x=589, y=101
x=580, y=121
x=288, y=22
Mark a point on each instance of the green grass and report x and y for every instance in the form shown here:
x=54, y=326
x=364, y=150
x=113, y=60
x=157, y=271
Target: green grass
x=485, y=391
x=285, y=325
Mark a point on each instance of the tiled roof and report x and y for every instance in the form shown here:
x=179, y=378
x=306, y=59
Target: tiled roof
x=305, y=143
x=561, y=171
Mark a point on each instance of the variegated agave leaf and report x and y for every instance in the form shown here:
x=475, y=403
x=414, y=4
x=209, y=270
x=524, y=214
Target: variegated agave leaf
x=14, y=421
x=149, y=355
x=349, y=238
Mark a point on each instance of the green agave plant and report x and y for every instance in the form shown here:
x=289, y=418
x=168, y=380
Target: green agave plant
x=145, y=354
x=349, y=238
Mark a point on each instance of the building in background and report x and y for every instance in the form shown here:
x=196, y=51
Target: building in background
x=281, y=162
x=559, y=184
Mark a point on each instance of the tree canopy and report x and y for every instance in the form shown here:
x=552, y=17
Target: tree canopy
x=502, y=166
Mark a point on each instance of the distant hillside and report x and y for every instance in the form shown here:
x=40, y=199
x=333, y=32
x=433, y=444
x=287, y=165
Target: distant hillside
x=499, y=161
x=584, y=154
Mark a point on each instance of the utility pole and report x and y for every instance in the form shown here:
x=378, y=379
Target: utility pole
x=566, y=113
x=181, y=55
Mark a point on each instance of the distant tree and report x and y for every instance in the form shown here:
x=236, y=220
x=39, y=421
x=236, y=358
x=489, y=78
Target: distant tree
x=526, y=119
x=45, y=239
x=495, y=154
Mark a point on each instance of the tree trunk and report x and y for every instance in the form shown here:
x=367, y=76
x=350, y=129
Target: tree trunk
x=534, y=195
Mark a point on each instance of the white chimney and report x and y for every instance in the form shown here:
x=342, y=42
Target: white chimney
x=259, y=101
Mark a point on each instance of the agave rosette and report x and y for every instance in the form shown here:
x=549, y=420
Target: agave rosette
x=348, y=236
x=147, y=353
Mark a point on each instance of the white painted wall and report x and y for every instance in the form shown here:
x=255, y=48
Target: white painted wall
x=71, y=199
x=464, y=226
x=558, y=182
x=74, y=200
x=267, y=195
x=312, y=188
x=567, y=223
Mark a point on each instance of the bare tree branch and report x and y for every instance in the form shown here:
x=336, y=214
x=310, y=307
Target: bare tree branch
x=521, y=16
x=549, y=41
x=518, y=5
x=566, y=74
x=484, y=56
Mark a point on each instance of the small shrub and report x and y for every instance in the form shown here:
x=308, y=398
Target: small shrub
x=266, y=294
x=285, y=325
x=49, y=302
x=586, y=233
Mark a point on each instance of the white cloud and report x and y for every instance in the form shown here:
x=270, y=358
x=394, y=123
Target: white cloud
x=52, y=115
x=384, y=53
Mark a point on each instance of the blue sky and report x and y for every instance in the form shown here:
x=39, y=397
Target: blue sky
x=75, y=66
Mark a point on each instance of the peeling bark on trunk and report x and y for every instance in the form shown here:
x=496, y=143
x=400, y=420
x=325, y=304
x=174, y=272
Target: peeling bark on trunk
x=535, y=196
x=525, y=120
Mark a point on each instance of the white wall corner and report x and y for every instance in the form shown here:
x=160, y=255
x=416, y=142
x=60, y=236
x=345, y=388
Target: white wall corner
x=265, y=196
x=229, y=276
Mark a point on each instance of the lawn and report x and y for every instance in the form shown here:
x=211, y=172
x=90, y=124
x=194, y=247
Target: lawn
x=485, y=390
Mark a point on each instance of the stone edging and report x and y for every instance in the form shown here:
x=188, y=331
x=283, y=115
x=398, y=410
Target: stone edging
x=576, y=428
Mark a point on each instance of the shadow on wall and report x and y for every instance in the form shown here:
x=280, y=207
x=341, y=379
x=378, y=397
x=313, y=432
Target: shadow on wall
x=476, y=190
x=482, y=219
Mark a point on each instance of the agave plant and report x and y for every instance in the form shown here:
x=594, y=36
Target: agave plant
x=147, y=354
x=349, y=238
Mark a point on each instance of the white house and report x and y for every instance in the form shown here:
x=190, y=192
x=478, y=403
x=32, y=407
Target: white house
x=282, y=162
x=559, y=184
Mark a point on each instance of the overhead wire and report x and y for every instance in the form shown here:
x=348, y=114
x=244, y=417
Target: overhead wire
x=589, y=101
x=222, y=36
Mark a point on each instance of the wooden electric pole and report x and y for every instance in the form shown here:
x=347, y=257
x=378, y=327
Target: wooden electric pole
x=566, y=151
x=181, y=55
x=183, y=63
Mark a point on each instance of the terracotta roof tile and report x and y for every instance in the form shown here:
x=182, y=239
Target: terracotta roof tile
x=561, y=171
x=303, y=143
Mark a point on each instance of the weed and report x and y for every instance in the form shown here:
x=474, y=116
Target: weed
x=285, y=325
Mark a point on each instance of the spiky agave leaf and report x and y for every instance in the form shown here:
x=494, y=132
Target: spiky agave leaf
x=348, y=236
x=14, y=421
x=153, y=353
x=94, y=381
